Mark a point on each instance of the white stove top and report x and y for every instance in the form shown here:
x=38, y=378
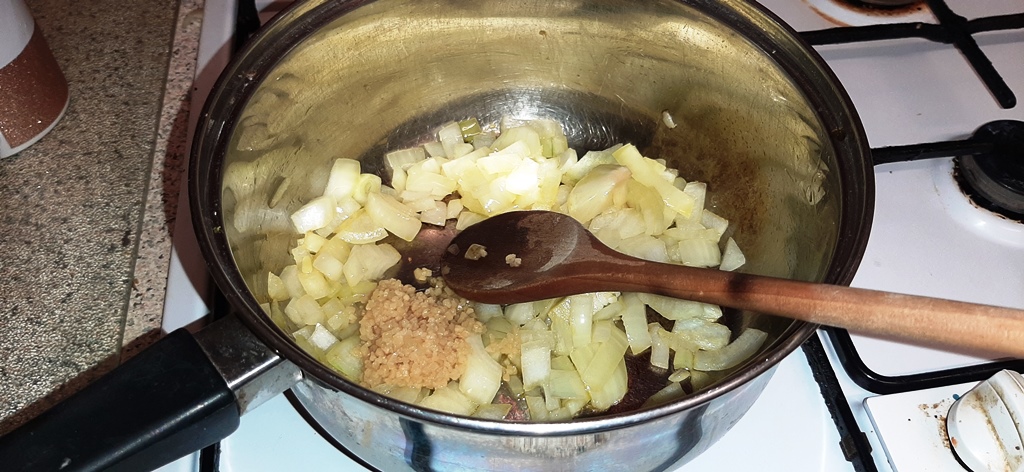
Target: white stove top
x=927, y=239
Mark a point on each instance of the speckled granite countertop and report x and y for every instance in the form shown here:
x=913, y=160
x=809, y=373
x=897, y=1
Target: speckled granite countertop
x=86, y=214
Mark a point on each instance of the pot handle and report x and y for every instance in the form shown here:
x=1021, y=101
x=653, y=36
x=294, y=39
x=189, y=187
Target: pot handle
x=166, y=402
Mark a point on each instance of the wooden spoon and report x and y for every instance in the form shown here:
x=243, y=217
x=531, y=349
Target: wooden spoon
x=559, y=257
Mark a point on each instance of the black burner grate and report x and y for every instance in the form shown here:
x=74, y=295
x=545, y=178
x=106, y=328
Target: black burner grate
x=951, y=29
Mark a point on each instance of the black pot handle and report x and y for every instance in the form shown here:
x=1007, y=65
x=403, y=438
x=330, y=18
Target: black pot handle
x=166, y=402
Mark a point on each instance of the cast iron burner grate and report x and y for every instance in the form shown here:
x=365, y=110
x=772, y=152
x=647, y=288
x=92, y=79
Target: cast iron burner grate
x=951, y=29
x=989, y=166
x=994, y=157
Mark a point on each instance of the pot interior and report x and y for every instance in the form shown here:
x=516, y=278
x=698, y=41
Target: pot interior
x=758, y=118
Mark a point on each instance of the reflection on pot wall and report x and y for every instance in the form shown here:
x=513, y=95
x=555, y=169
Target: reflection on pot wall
x=391, y=442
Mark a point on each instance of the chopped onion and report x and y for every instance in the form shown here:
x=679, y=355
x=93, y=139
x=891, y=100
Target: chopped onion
x=314, y=215
x=634, y=320
x=482, y=377
x=568, y=353
x=731, y=355
x=393, y=216
x=341, y=183
x=670, y=392
x=450, y=400
x=733, y=257
x=322, y=338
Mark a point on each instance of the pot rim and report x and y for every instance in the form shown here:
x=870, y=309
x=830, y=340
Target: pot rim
x=831, y=104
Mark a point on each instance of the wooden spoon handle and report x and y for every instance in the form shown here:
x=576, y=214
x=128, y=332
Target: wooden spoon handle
x=926, y=320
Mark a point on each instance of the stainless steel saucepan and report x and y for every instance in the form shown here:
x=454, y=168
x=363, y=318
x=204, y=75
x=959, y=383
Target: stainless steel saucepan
x=755, y=113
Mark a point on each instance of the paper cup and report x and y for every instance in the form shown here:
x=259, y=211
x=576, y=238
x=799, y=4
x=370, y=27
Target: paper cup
x=33, y=90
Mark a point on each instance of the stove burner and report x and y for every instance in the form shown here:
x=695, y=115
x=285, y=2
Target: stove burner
x=994, y=179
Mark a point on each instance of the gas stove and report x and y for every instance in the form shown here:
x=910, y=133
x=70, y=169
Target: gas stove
x=924, y=77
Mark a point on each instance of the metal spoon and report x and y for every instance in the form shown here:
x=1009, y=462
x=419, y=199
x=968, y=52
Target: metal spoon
x=559, y=257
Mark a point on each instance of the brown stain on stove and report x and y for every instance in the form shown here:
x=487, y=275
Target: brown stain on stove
x=868, y=9
x=937, y=412
x=973, y=197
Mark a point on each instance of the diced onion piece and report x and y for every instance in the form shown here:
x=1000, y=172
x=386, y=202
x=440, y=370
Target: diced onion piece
x=602, y=331
x=699, y=253
x=336, y=248
x=610, y=311
x=659, y=346
x=562, y=362
x=733, y=257
x=344, y=357
x=581, y=318
x=453, y=208
x=436, y=216
x=536, y=359
x=341, y=182
x=275, y=288
x=538, y=409
x=679, y=375
x=316, y=214
x=697, y=190
x=337, y=313
x=361, y=228
x=403, y=158
x=329, y=266
x=612, y=390
x=289, y=276
x=402, y=394
x=650, y=173
x=520, y=134
x=366, y=185
x=670, y=392
x=322, y=338
x=672, y=308
x=520, y=313
x=314, y=284
x=634, y=320
x=493, y=411
x=593, y=194
x=304, y=311
x=434, y=184
x=714, y=222
x=560, y=326
x=566, y=384
x=482, y=377
x=434, y=149
x=485, y=311
x=701, y=333
x=467, y=219
x=503, y=161
x=650, y=206
x=450, y=135
x=393, y=216
x=667, y=119
x=573, y=172
x=524, y=177
x=450, y=400
x=606, y=356
x=369, y=262
x=644, y=247
x=313, y=242
x=733, y=354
